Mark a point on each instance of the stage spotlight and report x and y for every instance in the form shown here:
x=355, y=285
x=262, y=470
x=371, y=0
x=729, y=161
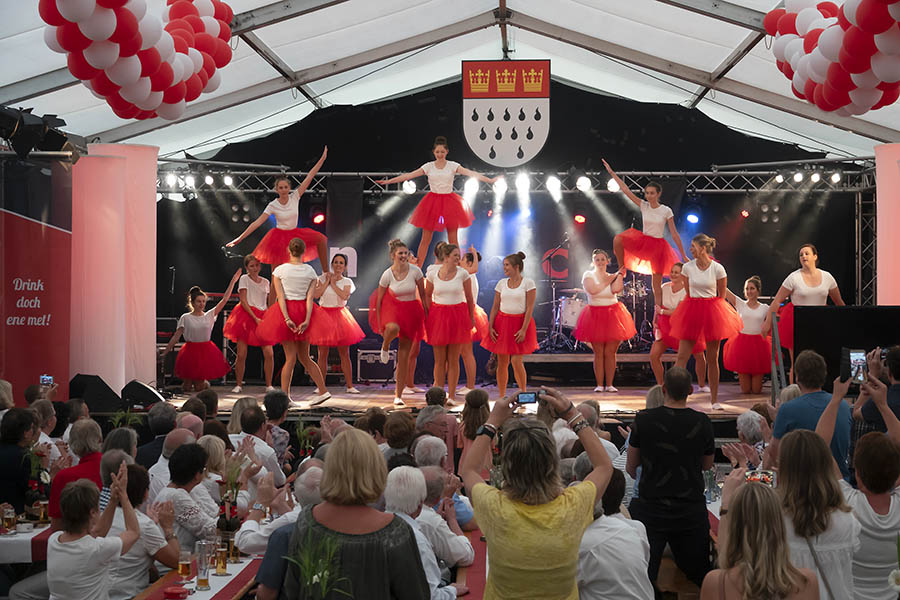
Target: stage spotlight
x=190, y=181
x=798, y=177
x=836, y=177
x=776, y=208
x=208, y=180
x=815, y=177
x=745, y=213
x=500, y=186
x=523, y=182
x=764, y=208
x=775, y=218
x=409, y=187
x=171, y=179
x=583, y=183
x=227, y=180
x=553, y=184
x=235, y=218
x=612, y=185
x=779, y=178
x=471, y=187
x=246, y=218
x=490, y=212
x=246, y=207
x=692, y=218
x=318, y=216
x=580, y=219
x=764, y=218
x=235, y=208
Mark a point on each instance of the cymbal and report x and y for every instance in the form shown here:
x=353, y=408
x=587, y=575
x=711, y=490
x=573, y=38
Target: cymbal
x=572, y=291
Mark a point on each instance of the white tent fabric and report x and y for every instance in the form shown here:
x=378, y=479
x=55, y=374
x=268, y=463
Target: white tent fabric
x=357, y=51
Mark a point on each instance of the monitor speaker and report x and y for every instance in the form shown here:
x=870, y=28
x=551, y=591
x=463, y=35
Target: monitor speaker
x=98, y=396
x=138, y=393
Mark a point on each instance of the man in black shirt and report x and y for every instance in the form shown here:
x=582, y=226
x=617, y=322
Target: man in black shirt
x=673, y=445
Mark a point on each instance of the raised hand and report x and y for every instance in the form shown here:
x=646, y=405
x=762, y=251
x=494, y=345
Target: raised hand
x=607, y=167
x=266, y=490
x=165, y=514
x=841, y=387
x=733, y=482
x=556, y=399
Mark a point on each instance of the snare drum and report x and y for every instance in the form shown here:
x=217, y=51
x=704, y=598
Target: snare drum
x=569, y=309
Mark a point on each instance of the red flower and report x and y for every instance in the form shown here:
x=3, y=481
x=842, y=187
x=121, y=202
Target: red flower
x=222, y=509
x=33, y=484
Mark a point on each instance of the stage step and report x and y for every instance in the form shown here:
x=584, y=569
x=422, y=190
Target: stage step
x=586, y=358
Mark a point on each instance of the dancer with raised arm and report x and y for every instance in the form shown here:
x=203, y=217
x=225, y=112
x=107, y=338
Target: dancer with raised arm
x=749, y=354
x=339, y=329
x=199, y=359
x=256, y=296
x=646, y=251
x=440, y=209
x=273, y=248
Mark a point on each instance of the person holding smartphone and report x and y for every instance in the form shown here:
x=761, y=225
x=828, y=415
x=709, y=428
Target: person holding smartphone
x=865, y=409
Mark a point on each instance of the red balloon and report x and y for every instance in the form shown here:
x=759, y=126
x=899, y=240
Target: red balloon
x=209, y=65
x=71, y=38
x=798, y=94
x=828, y=9
x=186, y=37
x=50, y=14
x=180, y=44
x=175, y=93
x=843, y=21
x=787, y=70
x=150, y=61
x=204, y=78
x=229, y=14
x=873, y=17
x=129, y=112
x=224, y=31
x=811, y=40
x=770, y=22
x=196, y=23
x=839, y=78
x=174, y=24
x=117, y=102
x=206, y=43
x=859, y=42
x=853, y=63
x=112, y=3
x=889, y=97
x=221, y=11
x=835, y=96
x=193, y=87
x=223, y=53
x=131, y=46
x=820, y=100
x=809, y=90
x=787, y=24
x=145, y=114
x=126, y=26
x=79, y=67
x=162, y=78
x=181, y=9
x=103, y=86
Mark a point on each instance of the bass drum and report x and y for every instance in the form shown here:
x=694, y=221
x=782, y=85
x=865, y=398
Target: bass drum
x=569, y=309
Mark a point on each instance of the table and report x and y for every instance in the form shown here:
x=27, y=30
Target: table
x=230, y=587
x=25, y=547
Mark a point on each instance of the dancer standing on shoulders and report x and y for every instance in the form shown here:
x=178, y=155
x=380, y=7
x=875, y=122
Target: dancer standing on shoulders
x=704, y=316
x=512, y=330
x=293, y=320
x=273, y=248
x=440, y=208
x=256, y=296
x=339, y=327
x=750, y=353
x=646, y=251
x=807, y=286
x=673, y=292
x=480, y=330
x=199, y=359
x=396, y=312
x=605, y=322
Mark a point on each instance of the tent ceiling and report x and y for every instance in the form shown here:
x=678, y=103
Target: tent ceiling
x=297, y=55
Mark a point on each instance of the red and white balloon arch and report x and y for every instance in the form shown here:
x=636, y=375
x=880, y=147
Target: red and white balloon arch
x=144, y=60
x=844, y=59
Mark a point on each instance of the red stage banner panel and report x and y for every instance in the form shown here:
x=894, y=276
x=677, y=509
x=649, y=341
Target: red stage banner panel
x=887, y=181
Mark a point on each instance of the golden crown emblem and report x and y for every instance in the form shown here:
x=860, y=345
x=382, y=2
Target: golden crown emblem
x=479, y=81
x=532, y=80
x=506, y=80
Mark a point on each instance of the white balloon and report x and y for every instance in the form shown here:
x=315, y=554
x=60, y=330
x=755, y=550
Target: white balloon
x=830, y=42
x=151, y=29
x=75, y=10
x=844, y=111
x=865, y=97
x=205, y=8
x=805, y=18
x=795, y=6
x=856, y=110
x=171, y=111
x=886, y=67
x=213, y=83
x=781, y=42
x=821, y=23
x=799, y=82
x=126, y=71
x=210, y=25
x=196, y=58
x=137, y=7
x=50, y=39
x=818, y=66
x=866, y=79
x=102, y=55
x=100, y=25
x=152, y=102
x=793, y=51
x=177, y=72
x=850, y=7
x=803, y=66
x=187, y=65
x=166, y=45
x=137, y=91
x=889, y=41
x=894, y=9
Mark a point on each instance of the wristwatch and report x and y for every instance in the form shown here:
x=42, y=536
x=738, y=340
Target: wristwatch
x=484, y=430
x=258, y=506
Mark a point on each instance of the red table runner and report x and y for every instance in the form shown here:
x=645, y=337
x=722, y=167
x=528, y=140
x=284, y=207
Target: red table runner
x=39, y=545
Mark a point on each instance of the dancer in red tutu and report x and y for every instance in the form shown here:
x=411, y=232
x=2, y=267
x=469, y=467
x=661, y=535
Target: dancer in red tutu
x=340, y=329
x=749, y=354
x=605, y=322
x=511, y=326
x=199, y=359
x=396, y=312
x=450, y=317
x=673, y=292
x=273, y=248
x=294, y=320
x=647, y=252
x=807, y=286
x=256, y=296
x=704, y=316
x=480, y=330
x=440, y=209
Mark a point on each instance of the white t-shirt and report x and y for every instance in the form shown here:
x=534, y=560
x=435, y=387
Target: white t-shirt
x=753, y=317
x=295, y=279
x=473, y=279
x=329, y=298
x=257, y=293
x=703, y=283
x=441, y=180
x=512, y=300
x=612, y=562
x=605, y=297
x=655, y=219
x=835, y=549
x=54, y=451
x=405, y=289
x=804, y=295
x=79, y=570
x=449, y=292
x=877, y=554
x=670, y=299
x=286, y=215
x=197, y=329
x=130, y=576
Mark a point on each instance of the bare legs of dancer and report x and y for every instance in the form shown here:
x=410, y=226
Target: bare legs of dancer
x=294, y=351
x=712, y=363
x=446, y=364
x=241, y=363
x=344, y=353
x=503, y=361
x=452, y=237
x=468, y=357
x=605, y=362
x=750, y=384
x=656, y=352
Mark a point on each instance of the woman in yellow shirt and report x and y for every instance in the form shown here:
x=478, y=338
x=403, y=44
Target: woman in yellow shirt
x=533, y=526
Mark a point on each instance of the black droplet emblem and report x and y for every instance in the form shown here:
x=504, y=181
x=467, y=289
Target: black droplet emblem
x=529, y=135
x=492, y=154
x=490, y=116
x=537, y=114
x=521, y=114
x=520, y=154
x=482, y=136
x=498, y=135
x=515, y=134
x=474, y=115
x=506, y=116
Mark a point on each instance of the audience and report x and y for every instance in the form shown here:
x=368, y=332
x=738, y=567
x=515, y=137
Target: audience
x=234, y=423
x=435, y=396
x=78, y=410
x=7, y=400
x=186, y=471
x=253, y=424
x=210, y=400
x=121, y=438
x=404, y=459
x=16, y=437
x=110, y=463
x=215, y=465
x=195, y=406
x=46, y=416
x=440, y=525
x=159, y=472
x=865, y=409
x=399, y=428
x=592, y=417
x=277, y=403
x=253, y=535
x=217, y=428
x=161, y=420
x=475, y=413
x=85, y=442
x=191, y=422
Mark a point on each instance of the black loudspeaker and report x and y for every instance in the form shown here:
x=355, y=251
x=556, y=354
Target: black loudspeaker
x=141, y=394
x=98, y=396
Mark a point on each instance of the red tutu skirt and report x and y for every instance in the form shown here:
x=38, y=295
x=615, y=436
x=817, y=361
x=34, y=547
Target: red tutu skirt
x=448, y=324
x=407, y=314
x=482, y=325
x=601, y=324
x=646, y=254
x=339, y=327
x=200, y=360
x=507, y=326
x=786, y=326
x=273, y=248
x=239, y=327
x=748, y=354
x=663, y=332
x=437, y=212
x=705, y=319
x=273, y=329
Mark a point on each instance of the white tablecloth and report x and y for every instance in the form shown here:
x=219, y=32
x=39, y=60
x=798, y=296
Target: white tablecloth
x=17, y=548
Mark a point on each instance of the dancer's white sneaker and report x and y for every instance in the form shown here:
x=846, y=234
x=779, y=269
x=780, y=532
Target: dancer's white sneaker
x=237, y=389
x=385, y=356
x=399, y=402
x=599, y=389
x=270, y=389
x=611, y=389
x=319, y=399
x=463, y=391
x=703, y=388
x=352, y=390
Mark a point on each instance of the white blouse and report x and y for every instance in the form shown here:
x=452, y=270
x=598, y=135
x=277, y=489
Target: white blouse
x=192, y=523
x=604, y=297
x=197, y=328
x=449, y=292
x=804, y=295
x=703, y=282
x=257, y=293
x=512, y=300
x=329, y=298
x=441, y=180
x=404, y=289
x=835, y=549
x=670, y=299
x=655, y=219
x=295, y=279
x=286, y=215
x=753, y=317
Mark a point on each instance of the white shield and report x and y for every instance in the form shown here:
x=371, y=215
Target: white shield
x=506, y=132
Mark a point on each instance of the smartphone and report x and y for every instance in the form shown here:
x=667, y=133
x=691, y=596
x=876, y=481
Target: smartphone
x=761, y=476
x=526, y=398
x=46, y=380
x=858, y=367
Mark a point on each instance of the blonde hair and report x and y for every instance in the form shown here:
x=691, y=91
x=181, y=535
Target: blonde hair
x=6, y=395
x=656, y=397
x=234, y=423
x=355, y=469
x=809, y=492
x=215, y=452
x=757, y=546
x=439, y=250
x=789, y=393
x=705, y=241
x=530, y=463
x=396, y=244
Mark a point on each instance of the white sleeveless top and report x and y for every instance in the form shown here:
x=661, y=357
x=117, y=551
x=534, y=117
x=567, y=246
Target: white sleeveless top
x=604, y=298
x=753, y=317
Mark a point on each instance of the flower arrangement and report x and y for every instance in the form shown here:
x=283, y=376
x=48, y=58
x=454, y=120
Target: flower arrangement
x=317, y=561
x=126, y=418
x=231, y=482
x=308, y=437
x=38, y=476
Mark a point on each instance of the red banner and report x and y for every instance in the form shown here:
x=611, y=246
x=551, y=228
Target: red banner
x=506, y=78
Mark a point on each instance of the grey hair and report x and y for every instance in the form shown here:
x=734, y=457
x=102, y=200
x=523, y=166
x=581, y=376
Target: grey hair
x=430, y=451
x=589, y=413
x=567, y=471
x=306, y=488
x=6, y=395
x=427, y=415
x=85, y=437
x=405, y=490
x=748, y=423
x=123, y=438
x=110, y=462
x=655, y=397
x=789, y=393
x=161, y=418
x=435, y=478
x=583, y=466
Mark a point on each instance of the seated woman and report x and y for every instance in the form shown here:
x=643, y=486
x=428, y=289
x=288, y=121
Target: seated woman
x=17, y=434
x=187, y=469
